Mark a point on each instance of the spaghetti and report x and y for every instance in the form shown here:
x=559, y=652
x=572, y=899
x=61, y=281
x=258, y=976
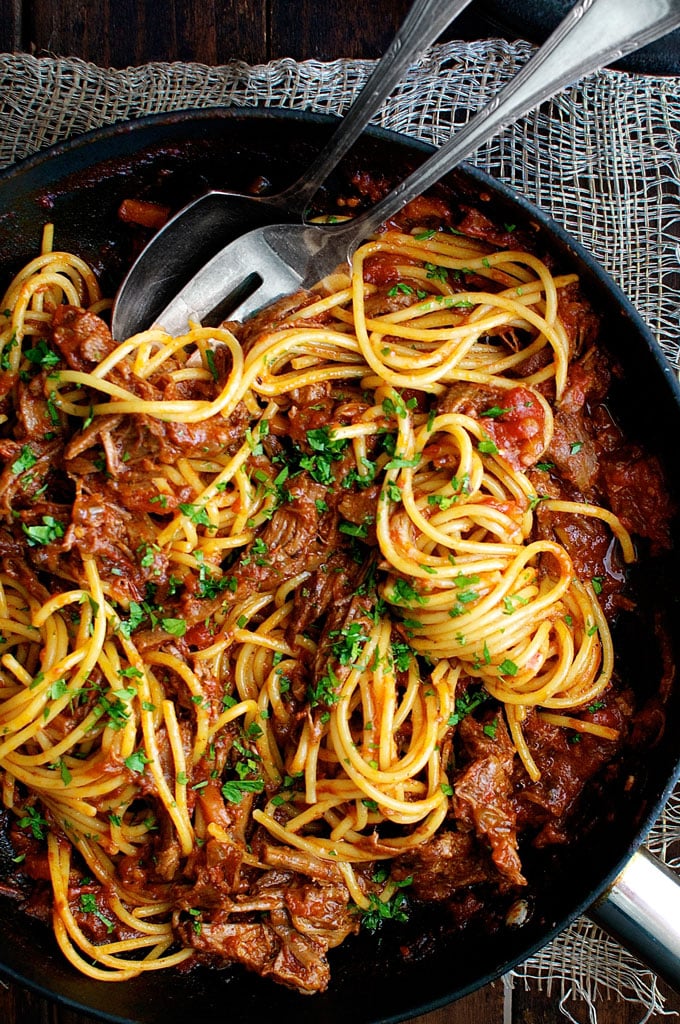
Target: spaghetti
x=254, y=580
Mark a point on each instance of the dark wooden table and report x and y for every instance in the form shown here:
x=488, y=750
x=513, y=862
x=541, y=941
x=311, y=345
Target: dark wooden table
x=119, y=33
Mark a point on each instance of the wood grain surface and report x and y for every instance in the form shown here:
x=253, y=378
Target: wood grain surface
x=118, y=33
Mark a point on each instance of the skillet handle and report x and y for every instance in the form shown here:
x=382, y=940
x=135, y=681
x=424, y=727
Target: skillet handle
x=642, y=911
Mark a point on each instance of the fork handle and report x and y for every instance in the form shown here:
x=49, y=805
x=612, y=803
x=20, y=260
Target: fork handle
x=425, y=21
x=594, y=33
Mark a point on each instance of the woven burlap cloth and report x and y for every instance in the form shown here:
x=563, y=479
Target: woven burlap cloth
x=603, y=159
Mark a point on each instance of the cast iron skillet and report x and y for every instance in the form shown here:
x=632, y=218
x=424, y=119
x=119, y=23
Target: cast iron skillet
x=410, y=969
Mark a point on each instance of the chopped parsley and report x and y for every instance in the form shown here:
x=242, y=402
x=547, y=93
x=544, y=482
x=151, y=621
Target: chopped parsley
x=353, y=529
x=50, y=531
x=63, y=771
x=148, y=555
x=324, y=690
x=467, y=703
x=88, y=904
x=135, y=618
x=115, y=705
x=56, y=689
x=394, y=909
x=495, y=411
x=41, y=354
x=401, y=655
x=395, y=405
x=136, y=761
x=489, y=729
x=196, y=513
x=33, y=819
x=465, y=594
x=210, y=586
x=404, y=593
x=25, y=460
x=486, y=446
x=255, y=444
x=326, y=450
x=436, y=273
x=5, y=357
x=210, y=361
x=247, y=767
x=176, y=627
x=398, y=462
x=234, y=789
x=350, y=643
x=402, y=287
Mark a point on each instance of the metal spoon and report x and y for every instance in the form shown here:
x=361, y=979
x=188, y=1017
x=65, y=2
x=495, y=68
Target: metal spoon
x=277, y=259
x=194, y=234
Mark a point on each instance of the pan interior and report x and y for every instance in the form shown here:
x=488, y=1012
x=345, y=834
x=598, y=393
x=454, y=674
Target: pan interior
x=171, y=159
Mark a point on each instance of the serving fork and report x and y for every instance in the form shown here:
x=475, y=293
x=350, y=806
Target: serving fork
x=198, y=230
x=277, y=259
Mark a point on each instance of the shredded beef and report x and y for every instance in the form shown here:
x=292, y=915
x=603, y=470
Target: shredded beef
x=82, y=338
x=482, y=793
x=634, y=484
x=290, y=946
x=445, y=864
x=565, y=768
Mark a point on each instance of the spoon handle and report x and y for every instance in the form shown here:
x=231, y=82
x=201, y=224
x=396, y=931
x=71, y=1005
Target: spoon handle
x=425, y=21
x=594, y=33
